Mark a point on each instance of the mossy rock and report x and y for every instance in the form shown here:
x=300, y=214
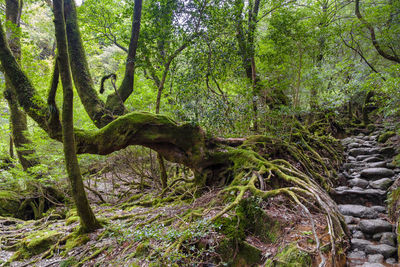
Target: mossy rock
x=251, y=219
x=385, y=136
x=247, y=255
x=35, y=244
x=290, y=256
x=9, y=203
x=257, y=222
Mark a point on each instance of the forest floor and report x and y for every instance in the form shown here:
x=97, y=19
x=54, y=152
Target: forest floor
x=142, y=236
x=146, y=226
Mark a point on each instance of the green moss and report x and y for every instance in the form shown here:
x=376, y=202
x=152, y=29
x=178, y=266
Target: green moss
x=290, y=256
x=76, y=240
x=36, y=243
x=250, y=219
x=69, y=262
x=371, y=127
x=385, y=136
x=9, y=203
x=247, y=255
x=396, y=160
x=71, y=220
x=142, y=249
x=398, y=240
x=257, y=222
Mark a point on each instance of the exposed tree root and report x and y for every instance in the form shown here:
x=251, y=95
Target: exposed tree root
x=282, y=178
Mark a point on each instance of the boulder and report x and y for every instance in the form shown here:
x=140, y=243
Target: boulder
x=358, y=235
x=375, y=226
x=358, y=211
x=356, y=255
x=383, y=249
x=372, y=159
x=387, y=151
x=391, y=261
x=382, y=184
x=358, y=182
x=353, y=145
x=360, y=244
x=362, y=157
x=348, y=219
x=379, y=164
x=375, y=258
x=361, y=151
x=370, y=264
x=376, y=173
x=379, y=209
x=388, y=239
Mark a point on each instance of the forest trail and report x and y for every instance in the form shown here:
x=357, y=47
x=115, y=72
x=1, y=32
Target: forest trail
x=367, y=174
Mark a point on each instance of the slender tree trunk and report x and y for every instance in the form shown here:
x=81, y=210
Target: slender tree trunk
x=19, y=126
x=160, y=159
x=87, y=217
x=296, y=101
x=126, y=88
x=11, y=147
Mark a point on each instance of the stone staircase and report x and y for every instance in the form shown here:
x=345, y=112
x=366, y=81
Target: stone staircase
x=368, y=173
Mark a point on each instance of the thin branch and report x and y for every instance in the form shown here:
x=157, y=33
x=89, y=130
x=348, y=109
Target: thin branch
x=273, y=9
x=362, y=57
x=375, y=42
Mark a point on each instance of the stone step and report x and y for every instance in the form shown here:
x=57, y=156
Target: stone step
x=374, y=226
x=370, y=248
x=368, y=173
x=376, y=173
x=358, y=196
x=378, y=164
x=382, y=184
x=358, y=211
x=363, y=151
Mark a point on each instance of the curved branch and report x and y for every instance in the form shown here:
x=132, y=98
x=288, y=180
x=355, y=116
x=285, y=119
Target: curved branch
x=94, y=106
x=28, y=98
x=375, y=42
x=126, y=87
x=362, y=57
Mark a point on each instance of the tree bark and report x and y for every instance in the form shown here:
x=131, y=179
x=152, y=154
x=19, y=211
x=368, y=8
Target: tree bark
x=125, y=90
x=186, y=143
x=19, y=126
x=86, y=215
x=246, y=44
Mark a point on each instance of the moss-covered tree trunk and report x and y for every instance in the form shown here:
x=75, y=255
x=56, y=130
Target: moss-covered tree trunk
x=245, y=37
x=87, y=217
x=19, y=126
